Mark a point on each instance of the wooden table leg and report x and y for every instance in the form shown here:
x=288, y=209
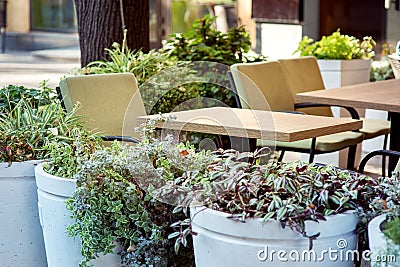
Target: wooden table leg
x=394, y=138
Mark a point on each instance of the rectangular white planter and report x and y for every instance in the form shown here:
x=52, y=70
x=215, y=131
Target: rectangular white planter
x=338, y=73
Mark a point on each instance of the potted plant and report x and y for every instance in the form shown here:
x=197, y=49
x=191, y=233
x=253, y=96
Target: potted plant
x=283, y=214
x=384, y=230
x=28, y=121
x=113, y=203
x=55, y=184
x=343, y=59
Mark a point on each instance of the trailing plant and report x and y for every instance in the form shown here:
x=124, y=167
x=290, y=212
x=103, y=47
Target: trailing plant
x=387, y=202
x=26, y=132
x=64, y=157
x=143, y=65
x=290, y=193
x=337, y=46
x=114, y=200
x=10, y=95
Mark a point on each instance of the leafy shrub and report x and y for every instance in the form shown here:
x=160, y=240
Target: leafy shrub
x=10, y=95
x=204, y=43
x=392, y=230
x=110, y=205
x=337, y=46
x=381, y=70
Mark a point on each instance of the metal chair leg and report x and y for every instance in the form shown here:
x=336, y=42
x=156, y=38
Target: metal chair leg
x=281, y=156
x=312, y=150
x=351, y=157
x=385, y=140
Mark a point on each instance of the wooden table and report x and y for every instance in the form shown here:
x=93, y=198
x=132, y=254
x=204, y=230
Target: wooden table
x=255, y=124
x=382, y=95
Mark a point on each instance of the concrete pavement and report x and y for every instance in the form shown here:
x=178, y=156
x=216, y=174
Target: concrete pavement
x=30, y=68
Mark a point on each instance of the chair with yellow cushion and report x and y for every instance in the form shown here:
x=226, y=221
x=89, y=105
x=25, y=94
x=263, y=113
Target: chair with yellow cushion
x=257, y=82
x=106, y=101
x=303, y=75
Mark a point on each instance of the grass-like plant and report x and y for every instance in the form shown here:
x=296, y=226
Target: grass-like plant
x=26, y=132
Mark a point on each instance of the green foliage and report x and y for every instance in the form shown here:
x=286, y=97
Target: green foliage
x=392, y=230
x=109, y=205
x=290, y=193
x=10, y=95
x=388, y=200
x=25, y=132
x=142, y=65
x=381, y=70
x=63, y=158
x=337, y=46
x=204, y=43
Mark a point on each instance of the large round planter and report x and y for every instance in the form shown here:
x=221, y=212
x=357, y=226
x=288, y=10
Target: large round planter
x=383, y=251
x=61, y=250
x=224, y=242
x=21, y=239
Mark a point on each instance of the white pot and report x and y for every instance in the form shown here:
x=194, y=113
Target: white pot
x=338, y=73
x=62, y=250
x=223, y=242
x=21, y=239
x=379, y=243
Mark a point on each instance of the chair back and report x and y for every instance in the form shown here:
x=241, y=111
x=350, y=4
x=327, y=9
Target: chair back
x=395, y=63
x=106, y=101
x=261, y=86
x=303, y=75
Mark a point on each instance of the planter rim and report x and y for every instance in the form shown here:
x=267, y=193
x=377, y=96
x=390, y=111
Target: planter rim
x=217, y=221
x=18, y=169
x=53, y=184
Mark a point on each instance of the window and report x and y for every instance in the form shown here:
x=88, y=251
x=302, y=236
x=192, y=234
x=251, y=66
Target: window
x=53, y=15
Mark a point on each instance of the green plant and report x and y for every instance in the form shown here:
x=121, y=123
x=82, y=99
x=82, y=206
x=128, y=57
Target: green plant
x=387, y=202
x=392, y=230
x=25, y=132
x=203, y=43
x=337, y=46
x=381, y=70
x=64, y=157
x=290, y=193
x=114, y=200
x=143, y=65
x=10, y=95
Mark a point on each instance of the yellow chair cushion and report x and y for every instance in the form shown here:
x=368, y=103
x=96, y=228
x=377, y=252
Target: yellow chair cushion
x=109, y=103
x=373, y=128
x=326, y=143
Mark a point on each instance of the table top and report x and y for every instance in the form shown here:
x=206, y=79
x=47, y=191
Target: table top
x=259, y=124
x=382, y=95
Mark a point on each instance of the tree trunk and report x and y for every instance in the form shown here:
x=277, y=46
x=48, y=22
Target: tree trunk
x=99, y=25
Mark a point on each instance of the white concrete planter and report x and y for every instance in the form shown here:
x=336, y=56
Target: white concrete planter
x=378, y=244
x=62, y=250
x=21, y=239
x=223, y=242
x=337, y=73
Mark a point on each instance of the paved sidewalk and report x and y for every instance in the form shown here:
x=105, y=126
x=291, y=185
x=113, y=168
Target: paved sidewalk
x=30, y=68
